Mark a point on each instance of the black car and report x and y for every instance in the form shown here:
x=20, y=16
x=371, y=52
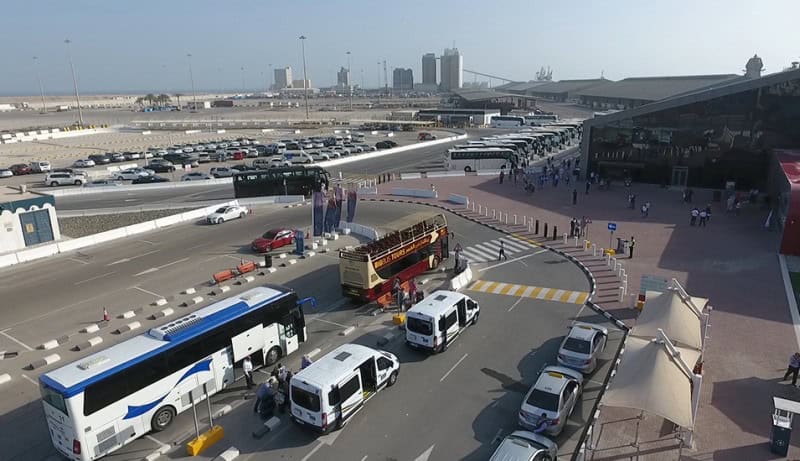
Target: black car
x=242, y=167
x=149, y=179
x=99, y=159
x=161, y=167
x=385, y=144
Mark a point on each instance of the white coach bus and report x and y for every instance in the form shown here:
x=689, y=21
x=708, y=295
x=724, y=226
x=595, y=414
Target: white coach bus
x=97, y=404
x=507, y=121
x=480, y=158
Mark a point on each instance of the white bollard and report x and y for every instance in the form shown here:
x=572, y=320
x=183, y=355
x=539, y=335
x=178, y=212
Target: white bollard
x=565, y=238
x=529, y=227
x=621, y=271
x=473, y=207
x=576, y=241
x=625, y=286
x=479, y=209
x=625, y=277
x=621, y=294
x=524, y=220
x=506, y=218
x=594, y=249
x=515, y=220
x=494, y=214
x=608, y=259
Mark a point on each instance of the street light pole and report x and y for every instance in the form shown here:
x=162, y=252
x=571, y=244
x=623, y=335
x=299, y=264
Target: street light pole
x=305, y=77
x=191, y=78
x=271, y=77
x=74, y=83
x=243, y=90
x=39, y=78
x=349, y=81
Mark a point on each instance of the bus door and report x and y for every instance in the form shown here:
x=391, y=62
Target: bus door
x=350, y=394
x=288, y=334
x=461, y=306
x=444, y=248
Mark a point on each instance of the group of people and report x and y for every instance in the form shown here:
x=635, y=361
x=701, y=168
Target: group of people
x=700, y=217
x=405, y=299
x=274, y=392
x=578, y=227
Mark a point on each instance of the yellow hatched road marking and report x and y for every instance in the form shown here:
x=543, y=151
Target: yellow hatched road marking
x=497, y=289
x=533, y=292
x=508, y=289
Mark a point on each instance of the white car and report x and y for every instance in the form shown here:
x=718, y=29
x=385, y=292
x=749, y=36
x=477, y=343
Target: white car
x=63, y=179
x=318, y=145
x=227, y=213
x=83, y=163
x=319, y=156
x=196, y=176
x=102, y=183
x=307, y=145
x=279, y=162
x=525, y=446
x=551, y=399
x=581, y=347
x=132, y=173
x=331, y=153
x=4, y=173
x=223, y=172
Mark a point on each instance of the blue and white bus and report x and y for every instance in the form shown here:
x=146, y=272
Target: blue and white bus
x=507, y=121
x=97, y=404
x=540, y=119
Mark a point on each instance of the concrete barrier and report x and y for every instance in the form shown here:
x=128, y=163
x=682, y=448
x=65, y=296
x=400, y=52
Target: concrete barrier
x=36, y=253
x=347, y=331
x=8, y=260
x=90, y=328
x=4, y=378
x=163, y=313
x=461, y=280
x=139, y=228
x=48, y=360
x=196, y=300
x=89, y=343
x=224, y=288
x=108, y=236
x=189, y=291
x=228, y=455
x=419, y=193
x=160, y=302
x=458, y=199
x=249, y=279
x=129, y=327
x=364, y=231
x=410, y=175
x=444, y=174
x=127, y=315
x=47, y=345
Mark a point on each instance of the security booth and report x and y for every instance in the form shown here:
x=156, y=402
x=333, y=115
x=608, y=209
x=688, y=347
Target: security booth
x=781, y=434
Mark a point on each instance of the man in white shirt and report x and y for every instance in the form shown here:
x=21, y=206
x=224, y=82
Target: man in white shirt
x=247, y=368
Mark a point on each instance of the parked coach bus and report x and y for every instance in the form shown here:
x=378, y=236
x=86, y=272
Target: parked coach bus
x=420, y=244
x=507, y=121
x=103, y=401
x=286, y=180
x=480, y=158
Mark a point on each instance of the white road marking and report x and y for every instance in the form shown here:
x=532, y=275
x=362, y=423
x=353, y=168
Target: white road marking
x=425, y=454
x=78, y=261
x=328, y=321
x=510, y=261
x=313, y=450
x=153, y=439
x=154, y=269
x=146, y=291
x=30, y=380
x=125, y=260
x=365, y=458
x=238, y=258
x=147, y=241
x=96, y=277
x=15, y=339
x=515, y=304
x=453, y=368
x=130, y=199
x=146, y=271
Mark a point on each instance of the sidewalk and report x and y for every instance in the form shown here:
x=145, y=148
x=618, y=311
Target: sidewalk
x=733, y=262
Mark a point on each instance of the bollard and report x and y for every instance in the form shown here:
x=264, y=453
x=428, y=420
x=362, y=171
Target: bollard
x=524, y=218
x=506, y=218
x=515, y=220
x=608, y=258
x=621, y=272
x=555, y=232
x=536, y=228
x=545, y=230
x=494, y=214
x=576, y=241
x=621, y=294
x=473, y=207
x=486, y=211
x=479, y=209
x=529, y=226
x=625, y=286
x=565, y=238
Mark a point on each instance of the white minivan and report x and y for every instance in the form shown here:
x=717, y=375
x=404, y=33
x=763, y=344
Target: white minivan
x=40, y=166
x=328, y=392
x=435, y=322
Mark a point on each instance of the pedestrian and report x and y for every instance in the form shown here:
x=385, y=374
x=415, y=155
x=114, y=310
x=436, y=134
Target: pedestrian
x=646, y=209
x=247, y=368
x=794, y=368
x=412, y=290
x=265, y=400
x=396, y=288
x=588, y=185
x=574, y=196
x=502, y=253
x=572, y=223
x=502, y=175
x=631, y=244
x=703, y=218
x=305, y=362
x=555, y=180
x=280, y=372
x=708, y=212
x=585, y=226
x=694, y=215
x=106, y=317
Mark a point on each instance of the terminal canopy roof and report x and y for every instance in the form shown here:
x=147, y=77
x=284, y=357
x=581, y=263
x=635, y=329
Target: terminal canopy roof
x=669, y=312
x=649, y=379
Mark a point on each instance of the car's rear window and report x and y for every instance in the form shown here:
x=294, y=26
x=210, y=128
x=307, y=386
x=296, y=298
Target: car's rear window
x=543, y=399
x=419, y=326
x=577, y=345
x=305, y=399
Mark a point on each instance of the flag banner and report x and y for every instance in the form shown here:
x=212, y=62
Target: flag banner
x=352, y=199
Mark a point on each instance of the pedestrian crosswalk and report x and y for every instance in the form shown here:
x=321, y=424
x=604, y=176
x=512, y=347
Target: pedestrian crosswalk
x=489, y=251
x=526, y=291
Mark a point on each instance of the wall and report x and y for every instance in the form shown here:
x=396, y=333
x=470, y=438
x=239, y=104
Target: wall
x=11, y=236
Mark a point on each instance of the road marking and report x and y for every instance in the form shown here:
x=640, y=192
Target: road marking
x=125, y=260
x=510, y=261
x=425, y=454
x=515, y=304
x=147, y=271
x=96, y=277
x=313, y=450
x=365, y=458
x=147, y=241
x=524, y=291
x=153, y=439
x=154, y=269
x=15, y=339
x=30, y=380
x=453, y=367
x=77, y=260
x=328, y=321
x=146, y=291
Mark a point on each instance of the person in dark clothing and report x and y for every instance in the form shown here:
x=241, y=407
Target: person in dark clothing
x=631, y=244
x=793, y=369
x=588, y=185
x=574, y=196
x=502, y=253
x=502, y=176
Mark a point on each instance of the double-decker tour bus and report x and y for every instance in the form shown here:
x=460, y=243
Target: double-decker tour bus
x=101, y=402
x=419, y=244
x=286, y=180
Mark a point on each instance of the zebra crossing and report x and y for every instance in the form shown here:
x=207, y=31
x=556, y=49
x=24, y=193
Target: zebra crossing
x=533, y=292
x=488, y=251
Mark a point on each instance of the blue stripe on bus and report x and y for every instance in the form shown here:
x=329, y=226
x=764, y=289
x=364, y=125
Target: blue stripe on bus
x=138, y=410
x=80, y=386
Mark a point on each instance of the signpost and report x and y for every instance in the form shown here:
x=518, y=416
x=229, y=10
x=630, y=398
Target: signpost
x=612, y=226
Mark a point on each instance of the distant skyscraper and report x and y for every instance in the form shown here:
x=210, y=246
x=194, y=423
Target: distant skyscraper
x=403, y=79
x=301, y=83
x=452, y=64
x=343, y=78
x=429, y=69
x=283, y=78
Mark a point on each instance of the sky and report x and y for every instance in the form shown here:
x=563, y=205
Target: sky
x=142, y=46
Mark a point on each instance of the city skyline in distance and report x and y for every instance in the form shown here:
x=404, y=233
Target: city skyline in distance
x=117, y=47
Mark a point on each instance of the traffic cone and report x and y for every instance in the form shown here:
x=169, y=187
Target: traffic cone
x=106, y=317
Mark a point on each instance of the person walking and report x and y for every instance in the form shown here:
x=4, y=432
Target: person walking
x=703, y=218
x=574, y=196
x=572, y=227
x=502, y=176
x=502, y=252
x=412, y=290
x=588, y=185
x=793, y=369
x=305, y=362
x=106, y=317
x=247, y=368
x=694, y=215
x=631, y=244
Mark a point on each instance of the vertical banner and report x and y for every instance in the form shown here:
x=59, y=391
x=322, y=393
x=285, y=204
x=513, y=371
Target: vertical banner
x=318, y=212
x=352, y=198
x=330, y=214
x=338, y=195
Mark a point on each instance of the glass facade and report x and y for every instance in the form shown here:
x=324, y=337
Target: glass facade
x=702, y=144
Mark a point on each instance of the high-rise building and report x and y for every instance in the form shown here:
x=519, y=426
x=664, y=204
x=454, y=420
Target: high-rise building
x=452, y=67
x=301, y=83
x=429, y=69
x=343, y=78
x=403, y=79
x=283, y=78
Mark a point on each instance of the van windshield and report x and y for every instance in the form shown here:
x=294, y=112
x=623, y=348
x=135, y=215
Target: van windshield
x=419, y=326
x=305, y=399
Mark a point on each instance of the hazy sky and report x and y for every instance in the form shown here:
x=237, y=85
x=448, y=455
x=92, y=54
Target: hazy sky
x=142, y=45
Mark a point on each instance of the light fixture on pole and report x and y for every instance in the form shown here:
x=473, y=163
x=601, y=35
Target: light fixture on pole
x=191, y=79
x=243, y=86
x=74, y=83
x=349, y=81
x=39, y=78
x=305, y=77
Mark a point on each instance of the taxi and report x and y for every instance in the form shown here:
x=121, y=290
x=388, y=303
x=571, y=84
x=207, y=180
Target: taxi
x=553, y=398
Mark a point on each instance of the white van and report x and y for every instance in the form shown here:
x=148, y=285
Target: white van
x=40, y=167
x=328, y=392
x=276, y=148
x=433, y=323
x=297, y=157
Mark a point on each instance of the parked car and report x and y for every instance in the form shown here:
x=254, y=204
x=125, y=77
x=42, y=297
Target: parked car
x=161, y=167
x=131, y=155
x=40, y=166
x=272, y=239
x=227, y=213
x=425, y=136
x=203, y=157
x=581, y=347
x=63, y=179
x=80, y=163
x=132, y=173
x=117, y=157
x=102, y=183
x=222, y=172
x=151, y=179
x=195, y=176
x=239, y=167
x=387, y=144
x=100, y=159
x=320, y=156
x=20, y=169
x=525, y=446
x=368, y=148
x=6, y=173
x=71, y=171
x=551, y=399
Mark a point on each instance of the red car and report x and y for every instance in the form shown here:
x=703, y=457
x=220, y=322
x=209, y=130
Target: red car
x=273, y=238
x=20, y=169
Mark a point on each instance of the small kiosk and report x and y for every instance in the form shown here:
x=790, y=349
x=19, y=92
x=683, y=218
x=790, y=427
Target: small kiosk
x=781, y=434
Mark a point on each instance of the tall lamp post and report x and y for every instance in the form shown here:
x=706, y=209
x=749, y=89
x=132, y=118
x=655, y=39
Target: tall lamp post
x=305, y=77
x=191, y=79
x=271, y=77
x=74, y=83
x=243, y=90
x=39, y=78
x=349, y=81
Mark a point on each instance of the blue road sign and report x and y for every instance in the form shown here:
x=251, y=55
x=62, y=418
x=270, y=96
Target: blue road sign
x=612, y=226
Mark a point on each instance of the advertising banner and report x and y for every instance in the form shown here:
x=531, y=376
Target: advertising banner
x=352, y=199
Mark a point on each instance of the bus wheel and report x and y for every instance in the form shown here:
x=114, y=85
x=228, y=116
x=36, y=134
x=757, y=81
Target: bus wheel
x=436, y=262
x=392, y=379
x=467, y=169
x=273, y=355
x=162, y=418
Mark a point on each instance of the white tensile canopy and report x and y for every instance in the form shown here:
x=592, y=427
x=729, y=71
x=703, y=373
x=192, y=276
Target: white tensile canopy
x=669, y=312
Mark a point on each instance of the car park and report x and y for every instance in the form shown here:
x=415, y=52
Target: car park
x=40, y=166
x=6, y=173
x=298, y=158
x=102, y=183
x=525, y=446
x=272, y=239
x=581, y=347
x=149, y=179
x=551, y=400
x=64, y=179
x=163, y=166
x=331, y=153
x=367, y=147
x=99, y=159
x=20, y=169
x=222, y=172
x=195, y=176
x=81, y=163
x=132, y=173
x=226, y=213
x=203, y=157
x=251, y=152
x=317, y=145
